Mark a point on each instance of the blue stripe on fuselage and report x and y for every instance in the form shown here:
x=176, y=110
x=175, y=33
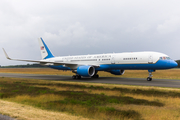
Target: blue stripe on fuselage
x=159, y=65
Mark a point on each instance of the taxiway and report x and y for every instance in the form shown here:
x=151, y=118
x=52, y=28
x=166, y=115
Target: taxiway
x=107, y=80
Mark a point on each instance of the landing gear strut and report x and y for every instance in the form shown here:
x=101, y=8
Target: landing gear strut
x=76, y=77
x=149, y=78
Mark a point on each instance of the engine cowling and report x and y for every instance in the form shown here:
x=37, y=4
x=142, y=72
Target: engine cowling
x=86, y=71
x=117, y=72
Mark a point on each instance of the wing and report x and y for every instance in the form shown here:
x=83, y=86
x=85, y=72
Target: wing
x=48, y=62
x=39, y=61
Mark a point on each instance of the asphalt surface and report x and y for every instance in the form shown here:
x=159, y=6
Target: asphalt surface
x=4, y=117
x=109, y=80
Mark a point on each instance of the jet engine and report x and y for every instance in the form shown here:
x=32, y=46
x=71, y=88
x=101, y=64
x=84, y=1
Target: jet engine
x=117, y=72
x=86, y=71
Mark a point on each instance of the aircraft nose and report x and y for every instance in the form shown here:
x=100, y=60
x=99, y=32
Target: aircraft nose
x=174, y=64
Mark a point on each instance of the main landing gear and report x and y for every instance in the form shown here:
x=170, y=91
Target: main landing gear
x=79, y=77
x=95, y=76
x=149, y=78
x=76, y=77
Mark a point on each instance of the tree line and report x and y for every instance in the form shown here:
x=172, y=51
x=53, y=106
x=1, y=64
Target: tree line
x=24, y=66
x=178, y=61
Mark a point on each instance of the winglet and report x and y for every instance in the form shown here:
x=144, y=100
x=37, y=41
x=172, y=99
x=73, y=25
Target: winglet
x=6, y=54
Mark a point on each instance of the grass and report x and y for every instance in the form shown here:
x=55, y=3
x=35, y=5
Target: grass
x=26, y=112
x=94, y=101
x=160, y=74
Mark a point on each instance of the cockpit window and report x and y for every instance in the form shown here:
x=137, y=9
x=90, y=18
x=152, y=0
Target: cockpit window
x=165, y=58
x=168, y=58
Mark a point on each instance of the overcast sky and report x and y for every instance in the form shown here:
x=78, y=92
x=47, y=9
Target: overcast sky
x=75, y=27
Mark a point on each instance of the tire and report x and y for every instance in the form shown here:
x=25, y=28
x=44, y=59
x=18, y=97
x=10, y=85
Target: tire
x=74, y=77
x=95, y=76
x=78, y=77
x=149, y=79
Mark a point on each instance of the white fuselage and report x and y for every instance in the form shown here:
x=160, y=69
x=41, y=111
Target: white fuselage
x=113, y=58
x=109, y=59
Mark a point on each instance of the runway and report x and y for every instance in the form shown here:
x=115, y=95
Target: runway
x=108, y=80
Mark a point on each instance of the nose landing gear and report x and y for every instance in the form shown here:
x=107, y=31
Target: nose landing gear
x=149, y=78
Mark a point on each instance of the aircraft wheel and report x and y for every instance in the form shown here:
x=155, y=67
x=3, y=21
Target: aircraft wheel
x=78, y=76
x=149, y=79
x=95, y=76
x=74, y=77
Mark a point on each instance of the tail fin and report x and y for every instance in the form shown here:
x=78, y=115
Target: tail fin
x=45, y=52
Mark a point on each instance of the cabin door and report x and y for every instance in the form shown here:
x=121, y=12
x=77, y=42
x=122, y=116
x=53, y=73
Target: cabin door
x=150, y=59
x=113, y=60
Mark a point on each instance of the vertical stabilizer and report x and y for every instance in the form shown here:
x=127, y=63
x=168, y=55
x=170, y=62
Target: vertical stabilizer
x=45, y=52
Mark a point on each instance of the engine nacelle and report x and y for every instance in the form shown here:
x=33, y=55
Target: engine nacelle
x=86, y=71
x=117, y=72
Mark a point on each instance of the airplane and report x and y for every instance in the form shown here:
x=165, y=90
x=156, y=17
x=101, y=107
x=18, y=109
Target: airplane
x=114, y=63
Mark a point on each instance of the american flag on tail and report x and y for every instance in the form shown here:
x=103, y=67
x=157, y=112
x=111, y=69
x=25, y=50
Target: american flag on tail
x=42, y=48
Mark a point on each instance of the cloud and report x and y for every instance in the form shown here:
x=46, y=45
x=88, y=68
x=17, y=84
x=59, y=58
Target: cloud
x=169, y=26
x=140, y=28
x=87, y=27
x=73, y=33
